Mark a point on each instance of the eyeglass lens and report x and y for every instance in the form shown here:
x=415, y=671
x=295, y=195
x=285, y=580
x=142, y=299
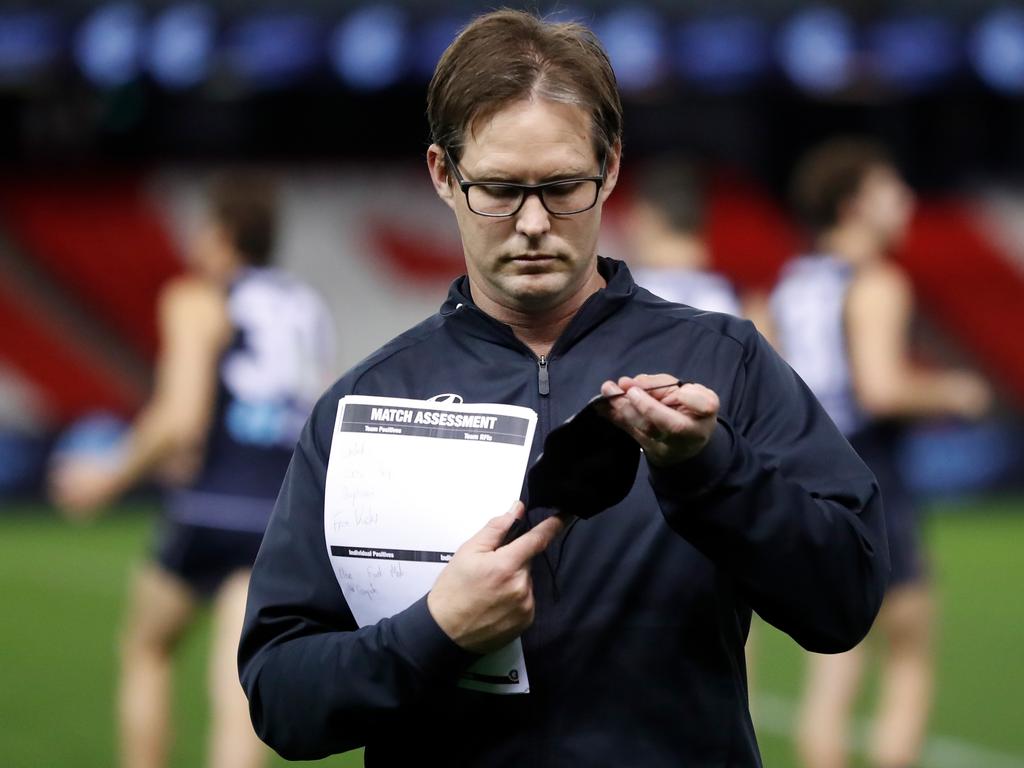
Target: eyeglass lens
x=558, y=197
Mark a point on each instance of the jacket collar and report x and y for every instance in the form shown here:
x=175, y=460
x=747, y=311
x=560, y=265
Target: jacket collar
x=460, y=308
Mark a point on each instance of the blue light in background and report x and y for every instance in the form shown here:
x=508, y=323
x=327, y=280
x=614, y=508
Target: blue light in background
x=274, y=49
x=959, y=458
x=568, y=13
x=635, y=43
x=108, y=44
x=29, y=40
x=914, y=52
x=997, y=49
x=432, y=40
x=368, y=48
x=181, y=45
x=816, y=49
x=723, y=53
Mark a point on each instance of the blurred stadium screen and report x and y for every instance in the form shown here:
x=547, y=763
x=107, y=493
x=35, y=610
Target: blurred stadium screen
x=176, y=43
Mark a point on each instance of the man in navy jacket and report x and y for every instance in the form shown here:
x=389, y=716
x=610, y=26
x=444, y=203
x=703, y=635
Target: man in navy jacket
x=632, y=622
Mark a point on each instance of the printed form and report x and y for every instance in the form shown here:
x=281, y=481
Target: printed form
x=408, y=481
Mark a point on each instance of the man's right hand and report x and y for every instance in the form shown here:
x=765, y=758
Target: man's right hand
x=483, y=598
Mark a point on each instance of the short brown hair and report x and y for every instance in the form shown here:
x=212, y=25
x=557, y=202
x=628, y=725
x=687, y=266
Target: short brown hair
x=505, y=56
x=830, y=175
x=245, y=205
x=674, y=185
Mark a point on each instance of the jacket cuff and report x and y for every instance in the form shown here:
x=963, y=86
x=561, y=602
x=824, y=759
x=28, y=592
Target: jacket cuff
x=699, y=474
x=428, y=648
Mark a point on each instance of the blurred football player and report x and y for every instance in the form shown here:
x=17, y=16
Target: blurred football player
x=842, y=317
x=244, y=351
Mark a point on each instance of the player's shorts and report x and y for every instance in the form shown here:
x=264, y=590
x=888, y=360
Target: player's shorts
x=876, y=445
x=204, y=557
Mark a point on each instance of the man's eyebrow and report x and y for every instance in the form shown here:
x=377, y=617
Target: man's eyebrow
x=498, y=176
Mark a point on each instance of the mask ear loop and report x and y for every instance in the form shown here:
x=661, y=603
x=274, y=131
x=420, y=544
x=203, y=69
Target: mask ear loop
x=676, y=383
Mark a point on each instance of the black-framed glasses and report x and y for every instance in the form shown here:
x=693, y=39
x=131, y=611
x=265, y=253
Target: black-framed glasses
x=501, y=199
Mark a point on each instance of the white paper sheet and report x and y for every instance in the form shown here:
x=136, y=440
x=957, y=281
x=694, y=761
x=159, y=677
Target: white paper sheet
x=408, y=481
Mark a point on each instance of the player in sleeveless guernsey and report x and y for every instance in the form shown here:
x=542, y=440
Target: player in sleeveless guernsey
x=665, y=229
x=245, y=349
x=842, y=318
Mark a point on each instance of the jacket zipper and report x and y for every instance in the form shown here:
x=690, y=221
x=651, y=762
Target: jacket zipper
x=542, y=375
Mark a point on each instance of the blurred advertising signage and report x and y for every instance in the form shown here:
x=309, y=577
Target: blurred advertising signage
x=819, y=48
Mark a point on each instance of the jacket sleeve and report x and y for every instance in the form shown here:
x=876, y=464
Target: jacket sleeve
x=780, y=501
x=317, y=684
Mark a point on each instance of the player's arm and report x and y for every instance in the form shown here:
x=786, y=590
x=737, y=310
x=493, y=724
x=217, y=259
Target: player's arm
x=878, y=317
x=194, y=329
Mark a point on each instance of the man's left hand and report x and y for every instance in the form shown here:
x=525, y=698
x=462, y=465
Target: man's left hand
x=671, y=423
x=80, y=488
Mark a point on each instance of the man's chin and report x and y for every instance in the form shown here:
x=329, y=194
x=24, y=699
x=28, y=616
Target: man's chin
x=539, y=290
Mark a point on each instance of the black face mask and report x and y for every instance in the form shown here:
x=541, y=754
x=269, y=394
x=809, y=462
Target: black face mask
x=587, y=466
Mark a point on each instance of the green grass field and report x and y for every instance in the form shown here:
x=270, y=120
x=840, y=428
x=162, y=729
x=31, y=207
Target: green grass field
x=63, y=587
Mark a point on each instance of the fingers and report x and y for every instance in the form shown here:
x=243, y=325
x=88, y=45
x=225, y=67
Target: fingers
x=646, y=415
x=696, y=399
x=535, y=540
x=670, y=424
x=611, y=389
x=489, y=537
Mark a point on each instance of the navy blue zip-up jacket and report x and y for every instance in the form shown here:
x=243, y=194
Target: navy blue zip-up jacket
x=636, y=653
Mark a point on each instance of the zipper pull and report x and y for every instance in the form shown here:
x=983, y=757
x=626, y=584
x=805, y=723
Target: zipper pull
x=542, y=375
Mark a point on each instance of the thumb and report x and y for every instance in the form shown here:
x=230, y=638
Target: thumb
x=489, y=538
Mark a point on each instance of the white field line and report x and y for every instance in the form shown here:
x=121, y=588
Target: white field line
x=776, y=715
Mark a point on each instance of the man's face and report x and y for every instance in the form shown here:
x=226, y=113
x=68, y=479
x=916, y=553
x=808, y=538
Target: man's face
x=885, y=204
x=210, y=254
x=532, y=261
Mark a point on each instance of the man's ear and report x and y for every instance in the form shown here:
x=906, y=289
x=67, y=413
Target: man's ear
x=611, y=170
x=438, y=166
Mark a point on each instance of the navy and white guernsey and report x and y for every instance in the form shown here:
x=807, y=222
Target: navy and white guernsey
x=808, y=308
x=692, y=287
x=278, y=361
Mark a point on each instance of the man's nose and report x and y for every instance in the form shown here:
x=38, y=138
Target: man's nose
x=533, y=219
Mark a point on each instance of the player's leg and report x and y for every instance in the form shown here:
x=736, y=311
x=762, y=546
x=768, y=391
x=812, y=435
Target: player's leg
x=823, y=725
x=906, y=626
x=160, y=609
x=905, y=630
x=233, y=743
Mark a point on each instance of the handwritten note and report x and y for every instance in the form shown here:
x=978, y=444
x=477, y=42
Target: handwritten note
x=408, y=481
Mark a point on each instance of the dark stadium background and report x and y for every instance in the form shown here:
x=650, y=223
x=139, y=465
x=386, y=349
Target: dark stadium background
x=112, y=115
